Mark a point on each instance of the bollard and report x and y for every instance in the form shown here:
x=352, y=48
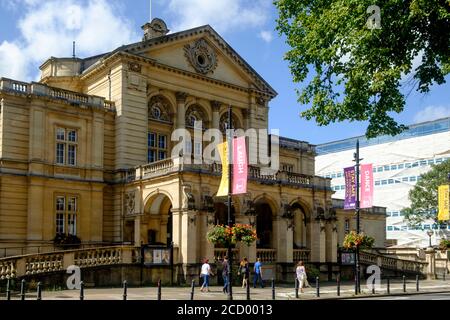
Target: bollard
x=247, y=286
x=273, y=289
x=338, y=286
x=8, y=291
x=296, y=288
x=417, y=283
x=317, y=287
x=22, y=290
x=404, y=283
x=125, y=290
x=159, y=289
x=388, y=286
x=39, y=291
x=192, y=289
x=373, y=286
x=81, y=291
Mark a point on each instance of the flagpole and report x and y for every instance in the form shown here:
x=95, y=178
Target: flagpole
x=230, y=221
x=358, y=221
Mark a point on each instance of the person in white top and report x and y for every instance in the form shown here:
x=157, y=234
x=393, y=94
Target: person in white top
x=301, y=276
x=205, y=273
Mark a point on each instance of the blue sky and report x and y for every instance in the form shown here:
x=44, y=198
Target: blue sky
x=33, y=30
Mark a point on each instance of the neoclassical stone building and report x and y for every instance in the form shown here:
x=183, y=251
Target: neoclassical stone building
x=87, y=151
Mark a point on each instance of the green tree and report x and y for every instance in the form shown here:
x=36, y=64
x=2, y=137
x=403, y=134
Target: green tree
x=358, y=71
x=424, y=196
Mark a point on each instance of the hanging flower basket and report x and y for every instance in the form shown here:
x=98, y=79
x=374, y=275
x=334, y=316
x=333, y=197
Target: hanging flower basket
x=444, y=245
x=353, y=240
x=226, y=236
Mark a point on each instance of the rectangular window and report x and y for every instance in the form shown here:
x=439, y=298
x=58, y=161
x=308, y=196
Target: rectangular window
x=66, y=215
x=387, y=168
x=374, y=169
x=391, y=181
x=60, y=152
x=405, y=179
x=426, y=227
x=377, y=183
x=397, y=181
x=390, y=228
x=394, y=167
x=347, y=226
x=415, y=164
x=339, y=175
x=423, y=163
x=384, y=182
x=401, y=166
x=380, y=169
x=198, y=149
x=412, y=179
x=157, y=147
x=408, y=165
x=430, y=162
x=66, y=146
x=404, y=228
x=439, y=160
x=333, y=176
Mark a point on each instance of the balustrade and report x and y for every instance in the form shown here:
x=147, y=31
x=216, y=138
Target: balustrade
x=301, y=255
x=267, y=255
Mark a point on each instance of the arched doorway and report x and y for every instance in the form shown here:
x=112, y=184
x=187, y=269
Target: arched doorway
x=302, y=235
x=264, y=225
x=157, y=226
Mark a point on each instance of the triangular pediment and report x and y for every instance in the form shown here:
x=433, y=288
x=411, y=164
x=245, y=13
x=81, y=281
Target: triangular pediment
x=204, y=52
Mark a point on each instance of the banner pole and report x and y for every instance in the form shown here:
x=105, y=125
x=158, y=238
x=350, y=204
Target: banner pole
x=230, y=220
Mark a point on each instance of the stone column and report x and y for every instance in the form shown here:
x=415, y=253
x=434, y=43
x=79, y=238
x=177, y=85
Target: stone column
x=215, y=105
x=334, y=242
x=189, y=222
x=181, y=109
x=318, y=252
x=282, y=240
x=137, y=231
x=431, y=260
x=207, y=248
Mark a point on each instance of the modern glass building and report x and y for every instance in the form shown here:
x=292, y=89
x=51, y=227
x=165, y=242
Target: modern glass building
x=398, y=164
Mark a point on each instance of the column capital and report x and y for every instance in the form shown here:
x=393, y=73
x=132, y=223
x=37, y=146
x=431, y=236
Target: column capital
x=181, y=96
x=215, y=105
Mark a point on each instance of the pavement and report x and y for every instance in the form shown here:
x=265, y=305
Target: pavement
x=440, y=289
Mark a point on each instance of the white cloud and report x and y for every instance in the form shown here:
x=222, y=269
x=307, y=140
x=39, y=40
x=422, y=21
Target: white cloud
x=267, y=36
x=222, y=15
x=48, y=29
x=431, y=113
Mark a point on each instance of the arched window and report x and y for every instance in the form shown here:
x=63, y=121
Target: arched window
x=196, y=113
x=159, y=109
x=224, y=122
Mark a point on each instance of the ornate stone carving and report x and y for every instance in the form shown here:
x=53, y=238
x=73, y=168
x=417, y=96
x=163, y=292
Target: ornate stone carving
x=135, y=67
x=215, y=105
x=181, y=97
x=130, y=202
x=201, y=56
x=195, y=113
x=224, y=122
x=158, y=109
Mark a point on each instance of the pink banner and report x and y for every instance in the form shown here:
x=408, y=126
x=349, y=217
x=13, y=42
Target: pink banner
x=366, y=186
x=240, y=166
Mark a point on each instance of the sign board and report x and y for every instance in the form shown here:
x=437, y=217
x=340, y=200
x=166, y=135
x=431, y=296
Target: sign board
x=156, y=256
x=348, y=258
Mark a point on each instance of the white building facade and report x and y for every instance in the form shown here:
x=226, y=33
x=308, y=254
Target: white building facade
x=398, y=163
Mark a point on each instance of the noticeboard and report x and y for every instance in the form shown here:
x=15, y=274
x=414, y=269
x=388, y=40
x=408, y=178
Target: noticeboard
x=348, y=258
x=156, y=256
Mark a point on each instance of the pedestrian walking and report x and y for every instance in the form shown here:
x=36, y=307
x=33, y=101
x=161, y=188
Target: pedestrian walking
x=302, y=277
x=258, y=273
x=204, y=274
x=244, y=270
x=225, y=270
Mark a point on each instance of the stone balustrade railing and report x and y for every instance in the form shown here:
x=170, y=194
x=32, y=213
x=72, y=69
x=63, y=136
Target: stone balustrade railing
x=392, y=263
x=43, y=90
x=220, y=253
x=267, y=255
x=14, y=267
x=301, y=255
x=164, y=167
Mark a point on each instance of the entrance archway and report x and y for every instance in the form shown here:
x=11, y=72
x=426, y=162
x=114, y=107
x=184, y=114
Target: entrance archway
x=264, y=224
x=302, y=234
x=157, y=227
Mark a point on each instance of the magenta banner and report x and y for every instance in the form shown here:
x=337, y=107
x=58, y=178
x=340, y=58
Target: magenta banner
x=350, y=188
x=240, y=166
x=366, y=186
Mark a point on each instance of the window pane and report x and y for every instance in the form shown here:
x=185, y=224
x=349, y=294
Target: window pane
x=198, y=149
x=377, y=183
x=60, y=223
x=72, y=154
x=430, y=162
x=188, y=147
x=72, y=136
x=391, y=181
x=151, y=156
x=162, y=155
x=394, y=167
x=163, y=142
x=380, y=169
x=423, y=163
x=60, y=204
x=60, y=151
x=439, y=160
x=60, y=134
x=72, y=224
x=387, y=168
x=408, y=165
x=72, y=204
x=405, y=179
x=152, y=140
x=412, y=179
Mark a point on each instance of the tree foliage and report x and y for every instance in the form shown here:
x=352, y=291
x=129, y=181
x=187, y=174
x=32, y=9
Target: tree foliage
x=424, y=196
x=359, y=72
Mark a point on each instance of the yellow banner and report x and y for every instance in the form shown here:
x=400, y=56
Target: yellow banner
x=224, y=186
x=444, y=210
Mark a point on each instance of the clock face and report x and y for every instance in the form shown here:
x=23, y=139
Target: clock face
x=201, y=56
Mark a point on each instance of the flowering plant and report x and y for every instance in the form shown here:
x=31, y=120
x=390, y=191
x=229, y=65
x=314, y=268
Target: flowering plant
x=353, y=240
x=444, y=245
x=225, y=235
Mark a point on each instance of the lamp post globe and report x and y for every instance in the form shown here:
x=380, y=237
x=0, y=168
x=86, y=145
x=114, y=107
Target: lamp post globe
x=430, y=234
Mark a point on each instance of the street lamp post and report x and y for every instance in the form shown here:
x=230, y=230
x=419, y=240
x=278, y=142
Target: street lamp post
x=358, y=220
x=230, y=220
x=430, y=234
